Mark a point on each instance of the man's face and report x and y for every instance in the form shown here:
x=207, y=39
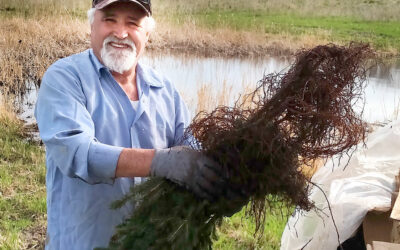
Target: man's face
x=118, y=37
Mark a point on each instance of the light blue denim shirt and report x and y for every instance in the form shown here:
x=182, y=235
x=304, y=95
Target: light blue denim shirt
x=85, y=119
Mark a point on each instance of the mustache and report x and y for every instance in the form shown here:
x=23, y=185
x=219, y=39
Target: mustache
x=126, y=41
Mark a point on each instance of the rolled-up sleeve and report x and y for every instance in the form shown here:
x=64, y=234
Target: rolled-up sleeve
x=102, y=160
x=67, y=129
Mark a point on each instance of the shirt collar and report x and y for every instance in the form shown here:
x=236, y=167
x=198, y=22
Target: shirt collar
x=96, y=63
x=147, y=74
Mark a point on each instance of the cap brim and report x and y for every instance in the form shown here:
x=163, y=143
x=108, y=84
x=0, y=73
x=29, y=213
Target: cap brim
x=103, y=4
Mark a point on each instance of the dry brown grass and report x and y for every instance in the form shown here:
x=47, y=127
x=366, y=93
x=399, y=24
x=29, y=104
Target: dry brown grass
x=43, y=8
x=208, y=99
x=312, y=167
x=29, y=46
x=6, y=113
x=189, y=37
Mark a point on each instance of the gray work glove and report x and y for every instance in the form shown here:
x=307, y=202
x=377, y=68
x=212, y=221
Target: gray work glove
x=190, y=168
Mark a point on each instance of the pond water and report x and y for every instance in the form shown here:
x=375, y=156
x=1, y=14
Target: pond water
x=227, y=78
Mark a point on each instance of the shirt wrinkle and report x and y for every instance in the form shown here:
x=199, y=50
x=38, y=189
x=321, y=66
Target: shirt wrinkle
x=85, y=122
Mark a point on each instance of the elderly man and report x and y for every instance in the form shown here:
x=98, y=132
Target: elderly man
x=107, y=121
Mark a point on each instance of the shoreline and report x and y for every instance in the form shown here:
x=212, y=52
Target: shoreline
x=230, y=51
x=240, y=44
x=29, y=46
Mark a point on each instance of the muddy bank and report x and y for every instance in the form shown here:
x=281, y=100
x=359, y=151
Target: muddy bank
x=222, y=44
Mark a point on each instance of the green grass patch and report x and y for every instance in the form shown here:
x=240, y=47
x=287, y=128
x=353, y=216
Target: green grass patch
x=383, y=35
x=22, y=184
x=237, y=232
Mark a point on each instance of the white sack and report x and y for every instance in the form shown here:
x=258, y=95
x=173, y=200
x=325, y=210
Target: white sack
x=367, y=182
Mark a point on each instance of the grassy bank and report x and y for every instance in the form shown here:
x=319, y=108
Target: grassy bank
x=383, y=35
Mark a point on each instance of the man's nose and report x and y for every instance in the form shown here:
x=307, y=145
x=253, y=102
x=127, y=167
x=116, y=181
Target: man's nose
x=120, y=31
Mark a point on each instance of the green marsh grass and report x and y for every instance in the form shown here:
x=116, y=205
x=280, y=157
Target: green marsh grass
x=237, y=232
x=22, y=186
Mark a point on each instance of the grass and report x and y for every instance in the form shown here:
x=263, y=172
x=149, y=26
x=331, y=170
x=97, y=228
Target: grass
x=43, y=8
x=237, y=232
x=383, y=35
x=383, y=10
x=29, y=46
x=208, y=98
x=22, y=186
x=289, y=25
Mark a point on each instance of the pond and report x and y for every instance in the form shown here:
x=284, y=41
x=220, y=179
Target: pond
x=225, y=79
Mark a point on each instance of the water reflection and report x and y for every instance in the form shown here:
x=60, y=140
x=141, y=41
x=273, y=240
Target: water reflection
x=383, y=93
x=234, y=75
x=190, y=73
x=27, y=102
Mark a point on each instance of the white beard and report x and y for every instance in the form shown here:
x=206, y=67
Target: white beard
x=118, y=60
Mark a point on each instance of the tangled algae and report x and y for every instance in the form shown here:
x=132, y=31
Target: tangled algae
x=262, y=143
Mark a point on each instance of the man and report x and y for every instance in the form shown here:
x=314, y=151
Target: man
x=105, y=120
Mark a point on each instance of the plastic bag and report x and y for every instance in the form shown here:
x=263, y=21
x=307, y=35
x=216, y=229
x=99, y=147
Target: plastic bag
x=353, y=187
